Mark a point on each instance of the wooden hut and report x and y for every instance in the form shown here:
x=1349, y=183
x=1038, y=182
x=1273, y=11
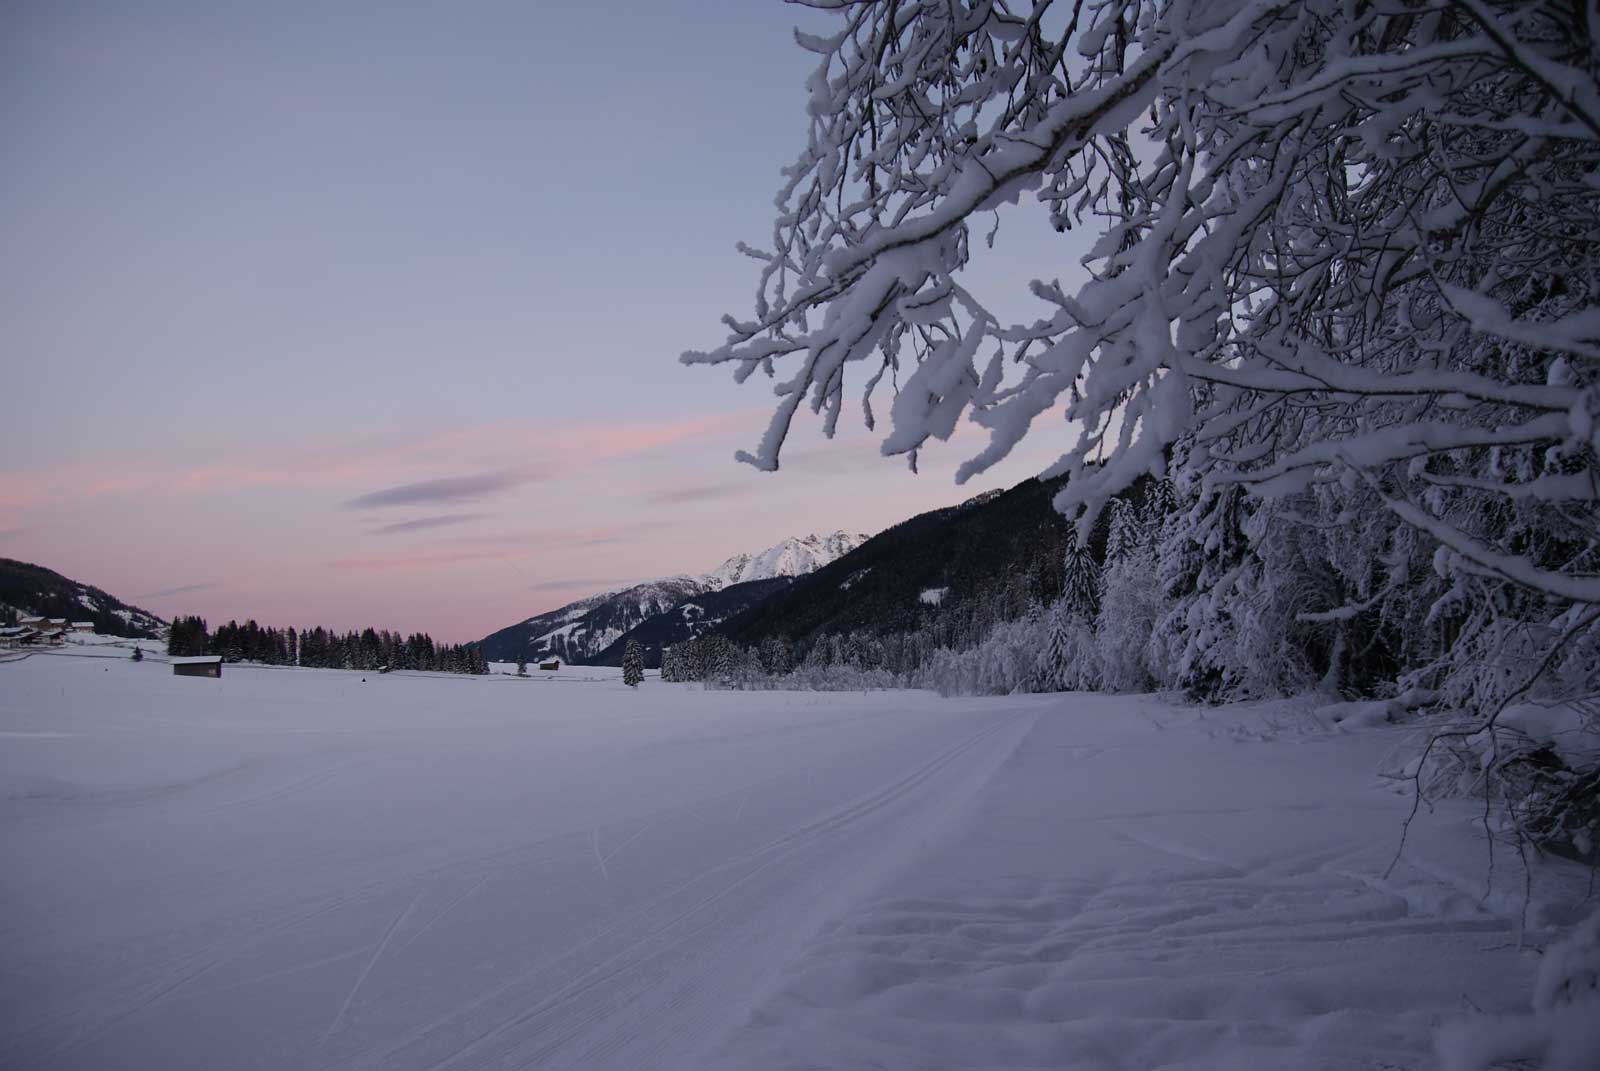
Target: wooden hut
x=554, y=663
x=197, y=666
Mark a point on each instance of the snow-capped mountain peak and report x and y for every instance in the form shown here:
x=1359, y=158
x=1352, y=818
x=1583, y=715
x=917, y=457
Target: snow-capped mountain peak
x=794, y=556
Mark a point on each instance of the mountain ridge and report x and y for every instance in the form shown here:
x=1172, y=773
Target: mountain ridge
x=689, y=619
x=795, y=556
x=583, y=628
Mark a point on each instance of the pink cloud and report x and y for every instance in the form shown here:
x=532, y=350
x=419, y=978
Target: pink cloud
x=509, y=548
x=344, y=464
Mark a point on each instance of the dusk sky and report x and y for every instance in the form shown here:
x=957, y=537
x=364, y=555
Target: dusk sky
x=371, y=313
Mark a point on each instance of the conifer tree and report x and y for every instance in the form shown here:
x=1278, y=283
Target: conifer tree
x=1081, y=585
x=632, y=665
x=522, y=664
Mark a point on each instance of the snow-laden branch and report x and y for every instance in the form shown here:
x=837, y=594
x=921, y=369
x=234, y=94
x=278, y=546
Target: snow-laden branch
x=1518, y=570
x=1337, y=243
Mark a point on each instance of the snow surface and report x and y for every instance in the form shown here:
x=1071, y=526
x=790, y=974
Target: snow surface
x=301, y=869
x=933, y=596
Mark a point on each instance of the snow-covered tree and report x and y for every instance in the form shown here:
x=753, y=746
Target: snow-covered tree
x=522, y=664
x=1346, y=243
x=1347, y=268
x=1130, y=600
x=777, y=655
x=632, y=664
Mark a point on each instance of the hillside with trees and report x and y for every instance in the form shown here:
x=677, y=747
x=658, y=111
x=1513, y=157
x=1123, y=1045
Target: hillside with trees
x=952, y=572
x=31, y=589
x=692, y=617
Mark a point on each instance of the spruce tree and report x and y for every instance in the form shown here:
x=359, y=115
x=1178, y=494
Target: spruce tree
x=632, y=665
x=522, y=664
x=1081, y=584
x=719, y=660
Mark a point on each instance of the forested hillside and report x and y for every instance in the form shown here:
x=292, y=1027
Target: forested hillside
x=952, y=571
x=26, y=588
x=692, y=617
x=580, y=630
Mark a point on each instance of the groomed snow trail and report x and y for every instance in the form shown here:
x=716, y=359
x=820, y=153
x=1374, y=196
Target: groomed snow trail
x=298, y=869
x=1145, y=886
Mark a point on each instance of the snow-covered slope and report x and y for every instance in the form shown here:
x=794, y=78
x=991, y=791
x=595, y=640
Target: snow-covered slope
x=692, y=617
x=795, y=556
x=580, y=630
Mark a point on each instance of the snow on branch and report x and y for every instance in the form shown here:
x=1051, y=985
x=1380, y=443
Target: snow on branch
x=1337, y=243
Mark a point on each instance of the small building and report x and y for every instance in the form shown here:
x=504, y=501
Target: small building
x=31, y=622
x=17, y=635
x=83, y=626
x=554, y=663
x=197, y=666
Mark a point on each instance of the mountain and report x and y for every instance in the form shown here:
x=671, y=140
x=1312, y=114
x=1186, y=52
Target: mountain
x=580, y=631
x=692, y=617
x=32, y=589
x=792, y=557
x=942, y=565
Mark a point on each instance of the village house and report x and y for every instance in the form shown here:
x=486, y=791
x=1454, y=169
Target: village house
x=83, y=626
x=554, y=663
x=17, y=636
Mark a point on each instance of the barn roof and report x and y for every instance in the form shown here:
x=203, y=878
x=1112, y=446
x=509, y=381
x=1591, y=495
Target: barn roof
x=196, y=660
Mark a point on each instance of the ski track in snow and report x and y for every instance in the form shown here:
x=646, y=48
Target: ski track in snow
x=295, y=869
x=366, y=972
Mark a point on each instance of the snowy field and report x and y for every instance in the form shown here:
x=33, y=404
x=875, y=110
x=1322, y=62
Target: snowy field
x=300, y=869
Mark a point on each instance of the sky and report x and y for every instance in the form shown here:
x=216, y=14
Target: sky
x=370, y=313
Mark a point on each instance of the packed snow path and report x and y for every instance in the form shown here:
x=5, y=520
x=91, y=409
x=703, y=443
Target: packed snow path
x=299, y=869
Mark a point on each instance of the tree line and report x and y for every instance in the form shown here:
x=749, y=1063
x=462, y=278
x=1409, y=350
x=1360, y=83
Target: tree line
x=368, y=649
